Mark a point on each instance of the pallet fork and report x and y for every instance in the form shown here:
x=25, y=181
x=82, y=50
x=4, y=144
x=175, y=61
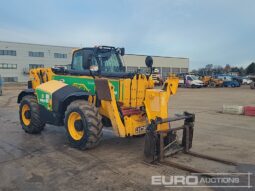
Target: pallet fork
x=162, y=144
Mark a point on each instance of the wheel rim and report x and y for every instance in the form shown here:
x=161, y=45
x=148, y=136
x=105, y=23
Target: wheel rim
x=75, y=134
x=25, y=109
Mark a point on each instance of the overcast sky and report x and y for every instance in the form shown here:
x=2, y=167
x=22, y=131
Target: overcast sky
x=215, y=32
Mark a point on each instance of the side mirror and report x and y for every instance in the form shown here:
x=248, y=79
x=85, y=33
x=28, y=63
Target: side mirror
x=149, y=61
x=122, y=51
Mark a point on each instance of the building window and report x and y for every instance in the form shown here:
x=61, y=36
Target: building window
x=33, y=66
x=132, y=69
x=184, y=70
x=36, y=54
x=8, y=52
x=145, y=70
x=59, y=55
x=10, y=79
x=8, y=66
x=165, y=72
x=176, y=70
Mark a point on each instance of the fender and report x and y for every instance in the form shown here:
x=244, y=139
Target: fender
x=24, y=93
x=62, y=99
x=61, y=94
x=56, y=116
x=55, y=95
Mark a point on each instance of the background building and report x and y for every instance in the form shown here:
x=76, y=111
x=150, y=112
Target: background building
x=17, y=58
x=165, y=65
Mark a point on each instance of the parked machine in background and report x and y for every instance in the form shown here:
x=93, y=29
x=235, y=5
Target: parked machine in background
x=239, y=79
x=246, y=81
x=211, y=82
x=156, y=77
x=252, y=84
x=190, y=81
x=1, y=85
x=228, y=81
x=181, y=77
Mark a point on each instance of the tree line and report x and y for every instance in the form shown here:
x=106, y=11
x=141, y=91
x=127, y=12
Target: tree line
x=211, y=69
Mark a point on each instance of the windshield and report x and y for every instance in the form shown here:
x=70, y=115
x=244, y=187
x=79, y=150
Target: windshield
x=194, y=77
x=109, y=61
x=105, y=60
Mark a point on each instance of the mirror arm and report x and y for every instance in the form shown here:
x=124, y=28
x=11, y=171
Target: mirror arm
x=151, y=70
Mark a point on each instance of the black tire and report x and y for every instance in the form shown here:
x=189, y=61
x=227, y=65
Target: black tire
x=36, y=125
x=212, y=85
x=252, y=85
x=90, y=125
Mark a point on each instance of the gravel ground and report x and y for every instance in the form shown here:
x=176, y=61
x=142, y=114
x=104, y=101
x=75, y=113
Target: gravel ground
x=46, y=162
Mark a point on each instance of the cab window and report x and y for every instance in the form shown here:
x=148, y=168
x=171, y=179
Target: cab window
x=189, y=78
x=77, y=61
x=93, y=65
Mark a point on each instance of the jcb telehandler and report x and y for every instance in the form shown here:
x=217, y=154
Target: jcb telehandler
x=211, y=82
x=97, y=92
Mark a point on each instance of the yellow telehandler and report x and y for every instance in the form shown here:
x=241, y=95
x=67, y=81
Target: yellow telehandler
x=97, y=92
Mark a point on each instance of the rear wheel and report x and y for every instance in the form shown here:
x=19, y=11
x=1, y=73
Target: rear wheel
x=83, y=125
x=29, y=113
x=252, y=85
x=212, y=84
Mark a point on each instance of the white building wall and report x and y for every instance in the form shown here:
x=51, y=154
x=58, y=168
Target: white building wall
x=164, y=64
x=158, y=61
x=22, y=58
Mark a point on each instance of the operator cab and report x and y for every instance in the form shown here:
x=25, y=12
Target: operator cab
x=103, y=59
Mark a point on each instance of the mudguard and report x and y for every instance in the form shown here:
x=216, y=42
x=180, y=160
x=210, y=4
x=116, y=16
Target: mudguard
x=24, y=93
x=53, y=98
x=55, y=95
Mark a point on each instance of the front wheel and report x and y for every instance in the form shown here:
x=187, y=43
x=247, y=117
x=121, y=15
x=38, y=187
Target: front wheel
x=83, y=125
x=29, y=114
x=252, y=85
x=212, y=85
